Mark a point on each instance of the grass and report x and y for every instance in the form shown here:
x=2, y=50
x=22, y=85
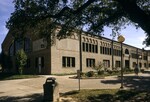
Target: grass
x=109, y=95
x=10, y=76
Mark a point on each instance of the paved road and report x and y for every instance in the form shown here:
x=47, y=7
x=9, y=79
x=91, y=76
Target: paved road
x=33, y=88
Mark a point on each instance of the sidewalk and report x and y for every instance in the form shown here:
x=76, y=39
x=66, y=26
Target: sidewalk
x=33, y=88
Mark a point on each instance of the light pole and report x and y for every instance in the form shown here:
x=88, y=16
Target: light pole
x=121, y=39
x=140, y=65
x=112, y=49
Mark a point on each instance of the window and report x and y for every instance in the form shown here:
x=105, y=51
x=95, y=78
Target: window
x=145, y=57
x=90, y=62
x=90, y=48
x=140, y=64
x=118, y=64
x=68, y=61
x=101, y=49
x=83, y=46
x=27, y=45
x=87, y=49
x=145, y=65
x=28, y=63
x=96, y=49
x=11, y=50
x=106, y=63
x=134, y=64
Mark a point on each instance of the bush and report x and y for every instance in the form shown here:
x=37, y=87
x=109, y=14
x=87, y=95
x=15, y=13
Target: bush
x=109, y=72
x=142, y=70
x=90, y=74
x=101, y=72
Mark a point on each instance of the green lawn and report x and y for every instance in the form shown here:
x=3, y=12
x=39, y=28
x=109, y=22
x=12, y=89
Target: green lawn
x=109, y=95
x=8, y=76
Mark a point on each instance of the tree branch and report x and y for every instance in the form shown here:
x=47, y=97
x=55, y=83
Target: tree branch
x=136, y=14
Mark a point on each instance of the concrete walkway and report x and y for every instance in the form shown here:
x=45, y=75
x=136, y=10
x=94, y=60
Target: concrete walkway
x=33, y=88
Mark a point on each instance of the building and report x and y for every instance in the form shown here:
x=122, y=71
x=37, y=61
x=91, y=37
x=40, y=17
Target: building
x=64, y=55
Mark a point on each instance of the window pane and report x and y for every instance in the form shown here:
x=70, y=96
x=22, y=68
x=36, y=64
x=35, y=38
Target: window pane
x=83, y=46
x=73, y=62
x=64, y=61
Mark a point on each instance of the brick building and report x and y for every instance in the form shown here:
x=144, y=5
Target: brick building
x=64, y=55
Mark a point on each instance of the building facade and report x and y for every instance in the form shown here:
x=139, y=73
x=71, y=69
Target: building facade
x=64, y=55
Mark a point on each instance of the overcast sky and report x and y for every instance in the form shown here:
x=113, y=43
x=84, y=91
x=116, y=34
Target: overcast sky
x=133, y=36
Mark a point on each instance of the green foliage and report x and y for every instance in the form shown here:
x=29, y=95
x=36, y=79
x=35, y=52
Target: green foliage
x=21, y=60
x=11, y=76
x=99, y=68
x=109, y=95
x=38, y=15
x=90, y=74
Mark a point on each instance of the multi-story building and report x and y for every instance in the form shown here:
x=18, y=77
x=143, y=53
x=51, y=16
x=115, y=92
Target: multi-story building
x=64, y=55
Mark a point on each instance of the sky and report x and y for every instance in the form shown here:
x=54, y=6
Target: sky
x=133, y=36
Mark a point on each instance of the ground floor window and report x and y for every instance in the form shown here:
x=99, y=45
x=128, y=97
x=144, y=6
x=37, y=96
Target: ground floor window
x=145, y=65
x=90, y=62
x=140, y=65
x=118, y=64
x=68, y=61
x=134, y=64
x=106, y=63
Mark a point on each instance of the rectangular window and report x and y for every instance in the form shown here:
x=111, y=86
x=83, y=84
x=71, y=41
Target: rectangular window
x=101, y=49
x=90, y=62
x=145, y=65
x=106, y=63
x=96, y=49
x=90, y=48
x=118, y=64
x=134, y=64
x=87, y=49
x=83, y=46
x=93, y=48
x=68, y=61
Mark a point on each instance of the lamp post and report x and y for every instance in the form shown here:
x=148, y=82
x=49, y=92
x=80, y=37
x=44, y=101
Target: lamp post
x=140, y=65
x=121, y=39
x=112, y=50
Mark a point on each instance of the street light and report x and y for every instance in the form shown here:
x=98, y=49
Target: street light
x=112, y=52
x=121, y=39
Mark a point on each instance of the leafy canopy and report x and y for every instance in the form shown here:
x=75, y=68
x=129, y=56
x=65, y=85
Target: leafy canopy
x=42, y=16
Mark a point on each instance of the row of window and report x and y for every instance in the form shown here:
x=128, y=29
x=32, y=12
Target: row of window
x=20, y=44
x=90, y=62
x=86, y=47
x=70, y=62
x=135, y=56
x=108, y=51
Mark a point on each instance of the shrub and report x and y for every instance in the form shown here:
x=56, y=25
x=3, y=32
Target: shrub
x=101, y=72
x=109, y=71
x=21, y=59
x=99, y=67
x=142, y=70
x=90, y=74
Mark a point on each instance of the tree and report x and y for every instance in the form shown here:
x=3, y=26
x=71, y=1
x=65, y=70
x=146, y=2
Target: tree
x=21, y=60
x=88, y=15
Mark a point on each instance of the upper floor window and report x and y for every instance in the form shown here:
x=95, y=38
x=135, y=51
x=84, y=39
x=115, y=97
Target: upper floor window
x=27, y=45
x=11, y=49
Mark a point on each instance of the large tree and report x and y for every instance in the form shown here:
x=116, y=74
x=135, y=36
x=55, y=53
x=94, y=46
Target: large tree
x=43, y=16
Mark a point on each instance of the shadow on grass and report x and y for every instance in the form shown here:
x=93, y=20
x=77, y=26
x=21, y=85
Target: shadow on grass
x=29, y=98
x=122, y=96
x=4, y=76
x=133, y=82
